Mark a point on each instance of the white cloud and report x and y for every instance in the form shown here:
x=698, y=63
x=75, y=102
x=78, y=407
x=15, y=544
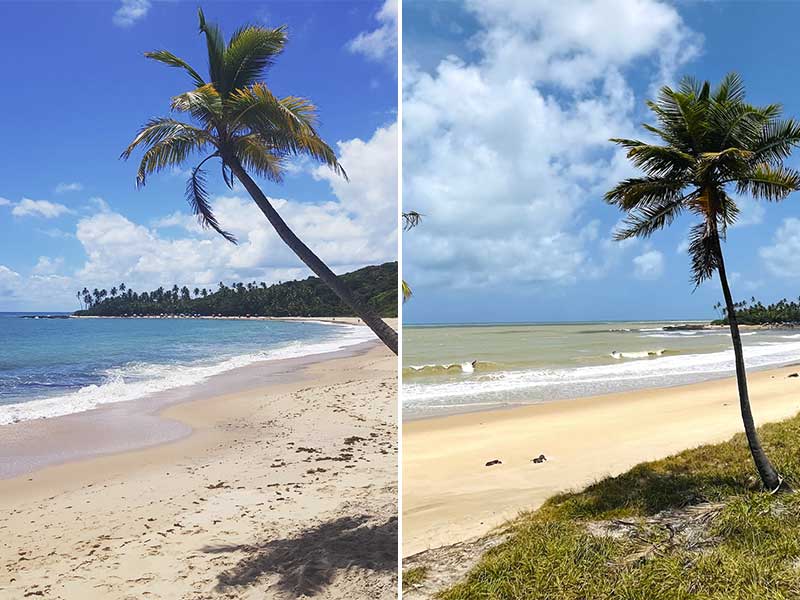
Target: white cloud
x=683, y=246
x=503, y=154
x=119, y=249
x=4, y=201
x=379, y=43
x=371, y=193
x=130, y=12
x=781, y=257
x=9, y=282
x=56, y=233
x=98, y=204
x=48, y=266
x=38, y=208
x=649, y=265
x=354, y=228
x=574, y=42
x=751, y=212
x=68, y=187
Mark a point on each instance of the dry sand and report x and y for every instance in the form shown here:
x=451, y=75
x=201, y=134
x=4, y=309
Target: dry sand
x=284, y=491
x=450, y=496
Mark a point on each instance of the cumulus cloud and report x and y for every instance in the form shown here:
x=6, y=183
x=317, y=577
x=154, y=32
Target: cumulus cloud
x=503, y=153
x=371, y=192
x=355, y=226
x=68, y=187
x=573, y=42
x=648, y=265
x=119, y=249
x=780, y=257
x=4, y=201
x=130, y=12
x=380, y=43
x=38, y=208
x=48, y=266
x=9, y=282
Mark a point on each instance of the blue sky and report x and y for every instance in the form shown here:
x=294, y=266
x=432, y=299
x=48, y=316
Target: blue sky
x=70, y=214
x=505, y=154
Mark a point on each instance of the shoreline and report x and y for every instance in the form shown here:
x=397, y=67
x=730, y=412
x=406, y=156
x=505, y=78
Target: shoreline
x=454, y=410
x=333, y=320
x=53, y=407
x=694, y=353
x=450, y=496
x=192, y=518
x=129, y=425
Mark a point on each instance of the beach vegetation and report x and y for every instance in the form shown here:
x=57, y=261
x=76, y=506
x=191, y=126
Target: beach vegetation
x=753, y=312
x=713, y=146
x=414, y=576
x=233, y=117
x=374, y=285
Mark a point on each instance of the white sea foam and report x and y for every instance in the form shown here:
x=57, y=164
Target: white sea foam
x=543, y=384
x=642, y=354
x=137, y=380
x=680, y=334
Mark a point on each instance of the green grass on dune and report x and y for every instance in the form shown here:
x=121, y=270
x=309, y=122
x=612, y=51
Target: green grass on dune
x=414, y=576
x=749, y=547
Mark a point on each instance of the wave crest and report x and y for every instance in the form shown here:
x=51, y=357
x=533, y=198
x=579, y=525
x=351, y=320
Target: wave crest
x=641, y=354
x=450, y=369
x=137, y=380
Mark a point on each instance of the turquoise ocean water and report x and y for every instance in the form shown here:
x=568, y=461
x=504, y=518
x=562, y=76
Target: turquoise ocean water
x=51, y=367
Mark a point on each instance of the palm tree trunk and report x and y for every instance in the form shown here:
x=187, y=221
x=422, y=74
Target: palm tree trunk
x=769, y=476
x=386, y=334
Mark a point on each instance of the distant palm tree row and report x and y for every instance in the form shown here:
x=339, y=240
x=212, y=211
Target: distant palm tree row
x=753, y=312
x=376, y=286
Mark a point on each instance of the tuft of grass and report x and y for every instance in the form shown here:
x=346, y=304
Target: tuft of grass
x=748, y=549
x=414, y=576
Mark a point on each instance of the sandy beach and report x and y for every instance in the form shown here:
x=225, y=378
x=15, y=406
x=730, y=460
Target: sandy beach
x=278, y=491
x=449, y=495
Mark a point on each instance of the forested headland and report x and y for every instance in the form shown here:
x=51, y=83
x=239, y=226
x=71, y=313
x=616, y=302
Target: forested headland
x=376, y=285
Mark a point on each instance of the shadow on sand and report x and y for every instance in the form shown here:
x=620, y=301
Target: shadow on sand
x=307, y=563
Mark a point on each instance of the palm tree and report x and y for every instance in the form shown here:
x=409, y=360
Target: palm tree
x=712, y=142
x=239, y=121
x=410, y=220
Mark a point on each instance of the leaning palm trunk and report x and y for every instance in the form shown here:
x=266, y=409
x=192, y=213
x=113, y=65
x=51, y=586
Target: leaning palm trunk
x=246, y=125
x=769, y=476
x=386, y=334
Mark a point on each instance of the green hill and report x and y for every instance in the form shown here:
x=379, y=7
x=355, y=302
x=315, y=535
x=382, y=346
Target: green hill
x=377, y=285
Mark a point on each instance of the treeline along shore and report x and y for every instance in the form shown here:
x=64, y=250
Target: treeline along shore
x=783, y=313
x=376, y=285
